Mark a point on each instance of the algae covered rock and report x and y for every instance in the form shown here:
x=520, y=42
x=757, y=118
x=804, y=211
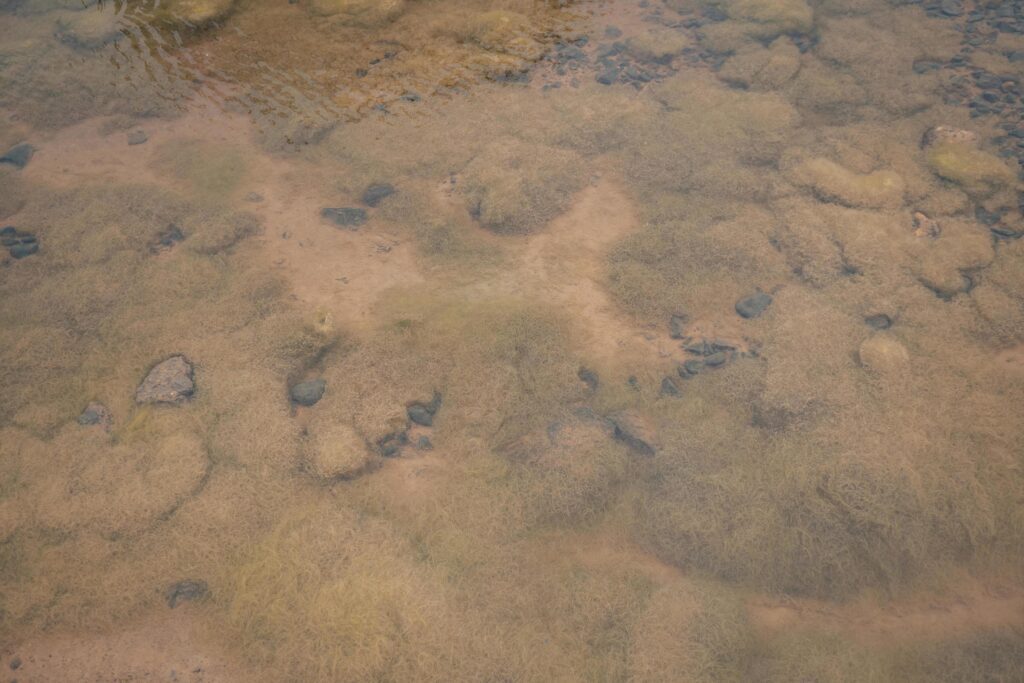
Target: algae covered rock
x=767, y=19
x=363, y=13
x=336, y=452
x=833, y=183
x=89, y=29
x=657, y=45
x=978, y=172
x=514, y=187
x=884, y=355
x=199, y=12
x=170, y=381
x=503, y=31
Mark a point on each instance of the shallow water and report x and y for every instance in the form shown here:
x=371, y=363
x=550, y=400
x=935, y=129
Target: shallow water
x=512, y=341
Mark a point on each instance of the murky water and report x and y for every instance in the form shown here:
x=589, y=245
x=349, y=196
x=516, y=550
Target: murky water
x=456, y=340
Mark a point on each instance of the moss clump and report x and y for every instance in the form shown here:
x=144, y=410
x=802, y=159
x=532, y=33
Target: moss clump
x=831, y=182
x=363, y=13
x=978, y=172
x=514, y=187
x=198, y=12
x=209, y=172
x=330, y=595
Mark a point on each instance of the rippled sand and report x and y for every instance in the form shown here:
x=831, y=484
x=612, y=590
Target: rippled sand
x=593, y=341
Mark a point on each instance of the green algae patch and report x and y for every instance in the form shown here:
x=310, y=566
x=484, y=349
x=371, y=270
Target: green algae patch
x=513, y=187
x=831, y=182
x=210, y=172
x=978, y=172
x=363, y=13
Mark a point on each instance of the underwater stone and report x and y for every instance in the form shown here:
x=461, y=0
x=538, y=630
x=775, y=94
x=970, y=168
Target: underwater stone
x=883, y=355
x=716, y=359
x=589, y=377
x=95, y=414
x=137, y=137
x=198, y=12
x=345, y=217
x=938, y=134
x=879, y=321
x=753, y=305
x=677, y=326
x=690, y=368
x=423, y=413
x=978, y=172
x=376, y=193
x=308, y=393
x=170, y=381
x=669, y=387
x=390, y=445
x=424, y=444
x=364, y=13
x=336, y=452
x=20, y=251
x=636, y=431
x=186, y=591
x=19, y=155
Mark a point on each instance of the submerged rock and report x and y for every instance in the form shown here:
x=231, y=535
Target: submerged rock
x=308, y=393
x=878, y=321
x=137, y=137
x=363, y=13
x=186, y=591
x=832, y=183
x=345, y=217
x=96, y=414
x=19, y=155
x=669, y=387
x=883, y=355
x=89, y=29
x=753, y=305
x=978, y=173
x=198, y=12
x=423, y=413
x=376, y=193
x=170, y=381
x=390, y=444
x=336, y=452
x=925, y=226
x=636, y=431
x=588, y=377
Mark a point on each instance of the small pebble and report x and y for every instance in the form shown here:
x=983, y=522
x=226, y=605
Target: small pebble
x=137, y=137
x=669, y=387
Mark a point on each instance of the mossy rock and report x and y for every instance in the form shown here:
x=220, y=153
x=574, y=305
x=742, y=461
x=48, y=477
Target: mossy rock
x=831, y=182
x=979, y=173
x=198, y=12
x=362, y=13
x=771, y=18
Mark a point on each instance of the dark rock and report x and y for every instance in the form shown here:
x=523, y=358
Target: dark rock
x=137, y=137
x=19, y=155
x=636, y=431
x=186, y=591
x=589, y=377
x=753, y=305
x=987, y=217
x=633, y=383
x=677, y=326
x=690, y=368
x=608, y=75
x=20, y=251
x=669, y=387
x=390, y=445
x=254, y=197
x=376, y=193
x=716, y=359
x=95, y=414
x=612, y=32
x=424, y=444
x=952, y=8
x=170, y=381
x=345, y=217
x=308, y=393
x=167, y=238
x=423, y=413
x=15, y=663
x=879, y=321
